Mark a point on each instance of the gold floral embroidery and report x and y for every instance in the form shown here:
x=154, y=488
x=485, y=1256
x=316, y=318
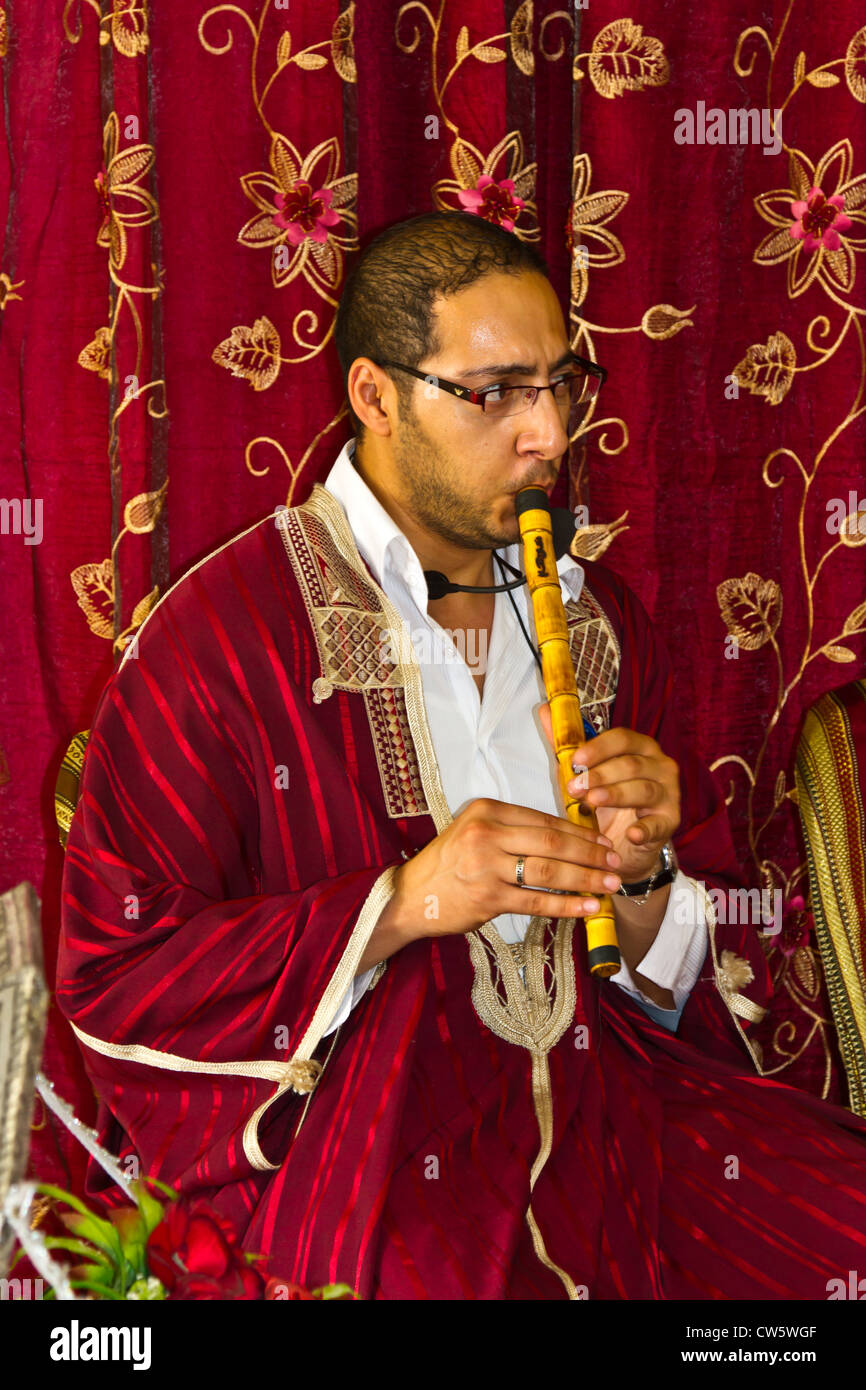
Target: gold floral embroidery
x=252, y=353
x=502, y=186
x=520, y=38
x=343, y=46
x=298, y=205
x=834, y=269
x=94, y=583
x=126, y=204
x=664, y=321
x=855, y=65
x=815, y=223
x=96, y=356
x=590, y=542
x=305, y=218
x=127, y=23
x=624, y=59
x=751, y=608
x=589, y=218
x=768, y=370
x=7, y=287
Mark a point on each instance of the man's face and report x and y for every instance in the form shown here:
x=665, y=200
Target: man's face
x=458, y=467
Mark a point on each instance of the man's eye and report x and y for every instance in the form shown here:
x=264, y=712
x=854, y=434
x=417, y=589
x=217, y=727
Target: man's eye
x=495, y=395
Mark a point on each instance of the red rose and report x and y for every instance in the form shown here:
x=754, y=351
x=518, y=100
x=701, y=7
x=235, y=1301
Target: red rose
x=194, y=1252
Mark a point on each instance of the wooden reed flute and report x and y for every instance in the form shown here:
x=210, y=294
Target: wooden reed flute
x=551, y=629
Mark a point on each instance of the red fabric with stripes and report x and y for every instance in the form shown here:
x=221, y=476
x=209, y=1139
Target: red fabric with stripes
x=247, y=894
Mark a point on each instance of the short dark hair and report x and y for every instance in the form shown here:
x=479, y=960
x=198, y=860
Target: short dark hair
x=386, y=309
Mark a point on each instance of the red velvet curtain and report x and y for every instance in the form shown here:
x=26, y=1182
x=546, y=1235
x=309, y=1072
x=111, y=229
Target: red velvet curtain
x=185, y=186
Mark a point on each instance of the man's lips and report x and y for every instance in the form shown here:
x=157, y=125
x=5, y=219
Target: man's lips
x=548, y=487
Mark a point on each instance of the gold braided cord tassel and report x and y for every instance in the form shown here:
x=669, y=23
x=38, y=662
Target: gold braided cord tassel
x=302, y=1075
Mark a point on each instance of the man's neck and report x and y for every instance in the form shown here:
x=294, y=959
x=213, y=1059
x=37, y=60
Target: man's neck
x=460, y=565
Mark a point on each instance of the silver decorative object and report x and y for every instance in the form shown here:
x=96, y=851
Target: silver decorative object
x=23, y=1005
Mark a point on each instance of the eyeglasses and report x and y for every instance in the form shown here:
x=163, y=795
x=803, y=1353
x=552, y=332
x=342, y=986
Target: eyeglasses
x=578, y=386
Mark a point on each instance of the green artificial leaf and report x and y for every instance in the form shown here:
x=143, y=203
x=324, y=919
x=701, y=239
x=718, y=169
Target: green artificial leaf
x=78, y=1247
x=152, y=1211
x=101, y=1289
x=100, y=1233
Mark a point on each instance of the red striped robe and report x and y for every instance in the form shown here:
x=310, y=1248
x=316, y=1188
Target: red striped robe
x=255, y=774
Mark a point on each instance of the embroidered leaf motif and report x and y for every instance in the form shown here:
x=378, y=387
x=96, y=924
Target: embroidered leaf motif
x=462, y=43
x=143, y=607
x=855, y=65
x=590, y=542
x=342, y=45
x=768, y=370
x=852, y=532
x=310, y=61
x=804, y=969
x=624, y=59
x=94, y=588
x=488, y=54
x=855, y=619
x=521, y=39
x=252, y=353
x=751, y=608
x=466, y=162
x=129, y=29
x=141, y=513
x=799, y=68
x=96, y=356
x=664, y=321
x=840, y=654
x=822, y=79
x=284, y=49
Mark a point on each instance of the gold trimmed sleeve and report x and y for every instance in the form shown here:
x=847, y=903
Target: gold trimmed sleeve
x=300, y=1073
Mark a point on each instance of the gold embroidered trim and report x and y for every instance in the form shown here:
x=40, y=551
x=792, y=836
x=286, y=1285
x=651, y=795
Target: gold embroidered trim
x=833, y=829
x=535, y=1014
x=528, y=1020
x=347, y=967
x=350, y=618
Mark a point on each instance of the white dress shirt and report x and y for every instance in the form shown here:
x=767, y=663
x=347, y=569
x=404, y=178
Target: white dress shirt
x=482, y=746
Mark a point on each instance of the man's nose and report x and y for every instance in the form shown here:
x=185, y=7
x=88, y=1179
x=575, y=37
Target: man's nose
x=542, y=427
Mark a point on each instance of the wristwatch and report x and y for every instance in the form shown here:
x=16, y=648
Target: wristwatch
x=665, y=873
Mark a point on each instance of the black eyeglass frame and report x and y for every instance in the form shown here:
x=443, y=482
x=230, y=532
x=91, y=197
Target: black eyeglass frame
x=466, y=393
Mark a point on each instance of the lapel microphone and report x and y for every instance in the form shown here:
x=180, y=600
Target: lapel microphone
x=563, y=522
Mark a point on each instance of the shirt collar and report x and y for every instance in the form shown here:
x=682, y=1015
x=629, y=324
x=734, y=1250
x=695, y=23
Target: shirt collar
x=386, y=549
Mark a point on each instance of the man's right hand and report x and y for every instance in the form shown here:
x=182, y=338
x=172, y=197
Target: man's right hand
x=466, y=875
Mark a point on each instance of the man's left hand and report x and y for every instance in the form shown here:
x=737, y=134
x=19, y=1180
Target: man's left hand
x=634, y=789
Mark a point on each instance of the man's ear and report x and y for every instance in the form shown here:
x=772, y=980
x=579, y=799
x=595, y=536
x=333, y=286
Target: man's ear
x=372, y=395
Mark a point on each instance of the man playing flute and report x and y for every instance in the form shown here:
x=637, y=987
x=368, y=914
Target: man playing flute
x=307, y=940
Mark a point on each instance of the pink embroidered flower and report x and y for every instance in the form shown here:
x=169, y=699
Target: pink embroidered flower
x=297, y=203
x=797, y=926
x=497, y=202
x=819, y=221
x=304, y=213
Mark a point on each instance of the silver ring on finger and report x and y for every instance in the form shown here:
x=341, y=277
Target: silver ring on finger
x=518, y=871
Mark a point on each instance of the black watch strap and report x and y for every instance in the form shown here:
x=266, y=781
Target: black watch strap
x=666, y=874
